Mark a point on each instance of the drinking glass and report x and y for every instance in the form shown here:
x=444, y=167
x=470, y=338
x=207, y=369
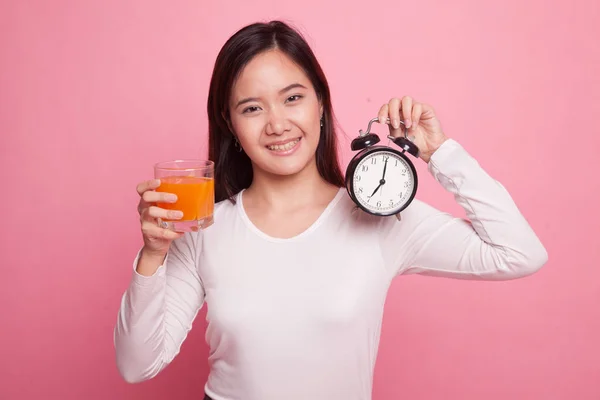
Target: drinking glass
x=193, y=181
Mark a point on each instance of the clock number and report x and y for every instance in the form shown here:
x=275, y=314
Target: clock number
x=391, y=203
x=406, y=184
x=360, y=190
x=385, y=158
x=378, y=204
x=373, y=160
x=395, y=165
x=365, y=168
x=358, y=178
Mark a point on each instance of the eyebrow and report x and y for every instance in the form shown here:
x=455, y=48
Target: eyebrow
x=285, y=89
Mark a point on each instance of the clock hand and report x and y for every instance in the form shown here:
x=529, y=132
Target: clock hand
x=382, y=182
x=376, y=189
x=384, y=168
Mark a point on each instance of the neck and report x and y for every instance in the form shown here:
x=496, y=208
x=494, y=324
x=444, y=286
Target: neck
x=290, y=191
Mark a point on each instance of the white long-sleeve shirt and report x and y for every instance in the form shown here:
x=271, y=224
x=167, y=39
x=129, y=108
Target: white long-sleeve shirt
x=300, y=318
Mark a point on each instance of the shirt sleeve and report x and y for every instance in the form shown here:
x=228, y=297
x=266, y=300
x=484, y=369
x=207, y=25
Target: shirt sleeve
x=494, y=242
x=157, y=312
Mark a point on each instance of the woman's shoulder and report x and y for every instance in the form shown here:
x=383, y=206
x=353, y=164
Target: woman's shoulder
x=226, y=208
x=350, y=213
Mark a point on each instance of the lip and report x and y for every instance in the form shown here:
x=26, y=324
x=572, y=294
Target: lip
x=281, y=142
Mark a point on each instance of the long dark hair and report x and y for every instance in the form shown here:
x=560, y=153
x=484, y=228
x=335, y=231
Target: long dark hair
x=233, y=169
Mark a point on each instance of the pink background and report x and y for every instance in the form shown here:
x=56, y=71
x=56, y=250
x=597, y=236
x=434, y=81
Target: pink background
x=93, y=92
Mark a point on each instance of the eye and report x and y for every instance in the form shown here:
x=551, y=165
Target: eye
x=250, y=109
x=294, y=97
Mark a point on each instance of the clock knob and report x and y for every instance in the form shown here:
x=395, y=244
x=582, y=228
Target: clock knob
x=365, y=141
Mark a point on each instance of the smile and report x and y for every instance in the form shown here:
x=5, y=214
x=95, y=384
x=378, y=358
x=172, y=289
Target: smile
x=284, y=147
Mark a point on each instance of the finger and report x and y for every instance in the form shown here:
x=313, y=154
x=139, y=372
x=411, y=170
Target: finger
x=151, y=230
x=407, y=105
x=147, y=185
x=159, y=197
x=383, y=114
x=142, y=205
x=416, y=114
x=154, y=212
x=428, y=112
x=394, y=112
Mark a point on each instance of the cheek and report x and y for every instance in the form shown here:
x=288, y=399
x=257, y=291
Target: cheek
x=309, y=121
x=247, y=129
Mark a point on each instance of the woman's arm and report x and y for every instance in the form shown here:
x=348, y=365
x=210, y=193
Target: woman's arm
x=494, y=243
x=157, y=311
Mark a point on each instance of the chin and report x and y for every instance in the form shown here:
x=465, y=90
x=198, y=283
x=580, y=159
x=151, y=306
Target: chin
x=287, y=166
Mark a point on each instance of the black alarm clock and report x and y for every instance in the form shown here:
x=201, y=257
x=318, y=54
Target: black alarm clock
x=382, y=180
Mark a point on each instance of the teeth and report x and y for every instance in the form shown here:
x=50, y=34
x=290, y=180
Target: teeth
x=283, y=147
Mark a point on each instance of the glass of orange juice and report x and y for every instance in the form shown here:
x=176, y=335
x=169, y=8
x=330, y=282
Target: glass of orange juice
x=193, y=181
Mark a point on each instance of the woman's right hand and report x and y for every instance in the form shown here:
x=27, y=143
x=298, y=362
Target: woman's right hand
x=156, y=239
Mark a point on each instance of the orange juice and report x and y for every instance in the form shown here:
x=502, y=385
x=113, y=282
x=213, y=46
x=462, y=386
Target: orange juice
x=195, y=196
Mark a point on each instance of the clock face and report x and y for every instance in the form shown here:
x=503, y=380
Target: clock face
x=383, y=182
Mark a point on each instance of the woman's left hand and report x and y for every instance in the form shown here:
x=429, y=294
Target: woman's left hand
x=423, y=127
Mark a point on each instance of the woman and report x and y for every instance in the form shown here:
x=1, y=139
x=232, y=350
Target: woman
x=294, y=275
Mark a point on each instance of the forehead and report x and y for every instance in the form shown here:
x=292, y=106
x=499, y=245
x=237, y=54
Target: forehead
x=268, y=72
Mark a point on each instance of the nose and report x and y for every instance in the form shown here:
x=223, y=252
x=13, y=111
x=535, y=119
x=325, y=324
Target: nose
x=278, y=123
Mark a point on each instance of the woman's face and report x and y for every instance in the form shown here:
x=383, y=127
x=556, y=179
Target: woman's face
x=275, y=114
